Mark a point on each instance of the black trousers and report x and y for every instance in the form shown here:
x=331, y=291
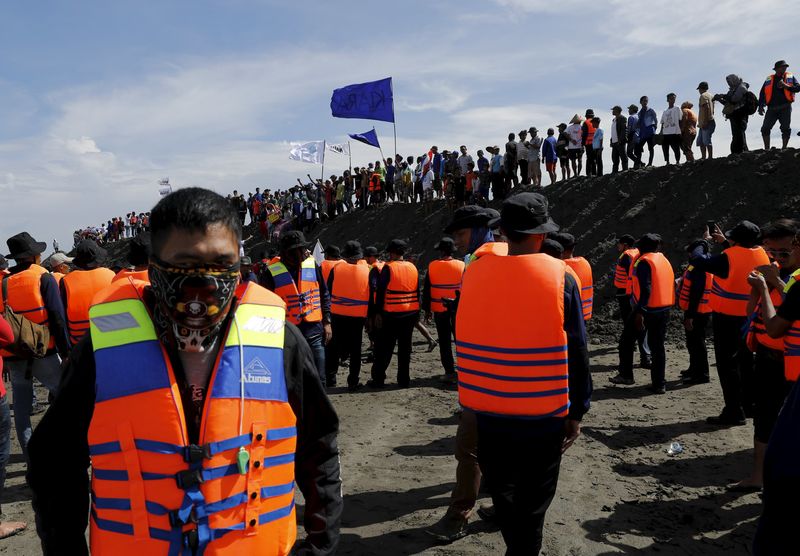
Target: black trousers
x=671, y=142
x=771, y=389
x=656, y=326
x=347, y=335
x=625, y=309
x=618, y=157
x=734, y=361
x=650, y=142
x=394, y=331
x=696, y=346
x=591, y=167
x=523, y=172
x=738, y=133
x=597, y=154
x=444, y=330
x=520, y=471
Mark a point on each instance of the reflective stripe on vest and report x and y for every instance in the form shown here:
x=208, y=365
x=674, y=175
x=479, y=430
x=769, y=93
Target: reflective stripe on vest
x=445, y=281
x=402, y=293
x=81, y=286
x=350, y=293
x=729, y=295
x=584, y=271
x=685, y=288
x=758, y=330
x=768, y=88
x=791, y=340
x=25, y=298
x=510, y=341
x=662, y=278
x=152, y=493
x=621, y=273
x=302, y=303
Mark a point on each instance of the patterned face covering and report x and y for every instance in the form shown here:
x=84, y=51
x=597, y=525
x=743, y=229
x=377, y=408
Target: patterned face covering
x=192, y=302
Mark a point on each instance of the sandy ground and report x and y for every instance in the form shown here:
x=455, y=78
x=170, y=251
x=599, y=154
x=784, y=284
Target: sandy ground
x=619, y=491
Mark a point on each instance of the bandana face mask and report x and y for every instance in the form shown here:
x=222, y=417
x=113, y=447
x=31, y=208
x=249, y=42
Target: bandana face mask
x=192, y=302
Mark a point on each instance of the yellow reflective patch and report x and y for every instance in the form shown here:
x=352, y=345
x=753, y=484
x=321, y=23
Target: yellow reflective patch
x=260, y=325
x=120, y=322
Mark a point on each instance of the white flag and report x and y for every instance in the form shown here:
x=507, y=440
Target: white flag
x=318, y=253
x=313, y=152
x=342, y=148
x=165, y=190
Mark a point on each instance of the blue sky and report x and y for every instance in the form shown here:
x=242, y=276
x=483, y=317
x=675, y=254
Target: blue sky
x=98, y=100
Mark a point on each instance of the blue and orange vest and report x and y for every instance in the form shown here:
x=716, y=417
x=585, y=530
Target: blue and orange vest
x=350, y=292
x=25, y=298
x=662, y=287
x=518, y=369
x=622, y=275
x=402, y=293
x=729, y=295
x=154, y=493
x=685, y=288
x=302, y=303
x=791, y=341
x=445, y=280
x=584, y=271
x=81, y=286
x=787, y=77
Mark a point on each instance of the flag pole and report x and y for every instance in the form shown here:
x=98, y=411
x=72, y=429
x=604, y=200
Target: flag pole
x=383, y=158
x=394, y=122
x=350, y=155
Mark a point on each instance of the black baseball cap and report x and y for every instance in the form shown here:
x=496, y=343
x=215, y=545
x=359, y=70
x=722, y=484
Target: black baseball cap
x=745, y=232
x=526, y=213
x=702, y=85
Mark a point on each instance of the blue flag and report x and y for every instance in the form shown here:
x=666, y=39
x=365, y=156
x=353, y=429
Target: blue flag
x=368, y=137
x=368, y=101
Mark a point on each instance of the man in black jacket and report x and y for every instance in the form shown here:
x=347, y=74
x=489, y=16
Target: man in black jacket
x=194, y=232
x=619, y=139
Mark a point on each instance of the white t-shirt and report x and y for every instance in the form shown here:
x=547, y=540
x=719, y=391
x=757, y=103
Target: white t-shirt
x=575, y=136
x=534, y=148
x=671, y=121
x=427, y=180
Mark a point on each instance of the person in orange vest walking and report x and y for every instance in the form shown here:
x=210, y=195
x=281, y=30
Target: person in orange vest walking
x=138, y=259
x=777, y=96
x=771, y=386
x=694, y=299
x=79, y=287
x=333, y=257
x=195, y=448
x=623, y=280
x=59, y=265
x=350, y=294
x=582, y=268
x=653, y=298
x=730, y=292
x=297, y=279
x=29, y=290
x=439, y=291
x=396, y=312
x=526, y=378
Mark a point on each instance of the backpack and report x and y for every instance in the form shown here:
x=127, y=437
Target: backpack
x=750, y=105
x=30, y=339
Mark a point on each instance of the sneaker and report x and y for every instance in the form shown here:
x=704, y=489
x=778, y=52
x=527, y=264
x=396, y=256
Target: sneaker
x=687, y=372
x=619, y=379
x=727, y=421
x=487, y=513
x=373, y=384
x=449, y=529
x=354, y=387
x=657, y=389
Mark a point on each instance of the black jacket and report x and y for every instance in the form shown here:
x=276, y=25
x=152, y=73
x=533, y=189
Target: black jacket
x=59, y=453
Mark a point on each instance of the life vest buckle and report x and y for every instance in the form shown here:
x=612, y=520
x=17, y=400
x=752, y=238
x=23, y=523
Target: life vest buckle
x=189, y=478
x=195, y=454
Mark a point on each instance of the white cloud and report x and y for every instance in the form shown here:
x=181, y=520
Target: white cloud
x=84, y=145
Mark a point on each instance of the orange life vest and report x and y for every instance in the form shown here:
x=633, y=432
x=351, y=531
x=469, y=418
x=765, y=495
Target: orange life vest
x=302, y=303
x=152, y=492
x=58, y=276
x=685, y=287
x=622, y=274
x=768, y=87
x=326, y=267
x=757, y=333
x=350, y=292
x=402, y=293
x=518, y=365
x=589, y=132
x=791, y=340
x=662, y=288
x=445, y=280
x=142, y=275
x=729, y=295
x=584, y=271
x=25, y=298
x=498, y=248
x=574, y=276
x=81, y=286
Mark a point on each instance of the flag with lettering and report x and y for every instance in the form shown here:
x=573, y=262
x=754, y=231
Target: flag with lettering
x=368, y=101
x=342, y=148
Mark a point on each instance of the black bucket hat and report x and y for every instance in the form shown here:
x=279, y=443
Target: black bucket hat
x=23, y=246
x=89, y=255
x=397, y=246
x=446, y=245
x=292, y=240
x=352, y=250
x=470, y=216
x=526, y=213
